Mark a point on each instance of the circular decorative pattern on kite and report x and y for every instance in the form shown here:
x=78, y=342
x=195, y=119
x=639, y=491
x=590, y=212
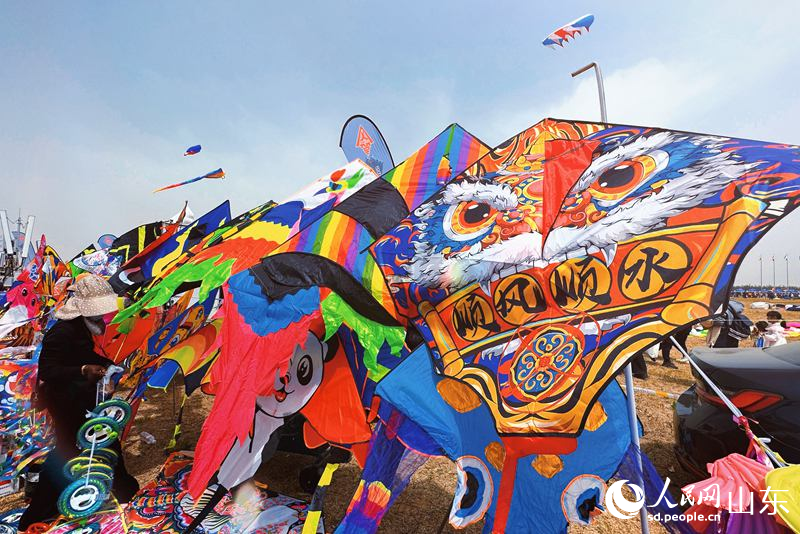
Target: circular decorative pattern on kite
x=539, y=366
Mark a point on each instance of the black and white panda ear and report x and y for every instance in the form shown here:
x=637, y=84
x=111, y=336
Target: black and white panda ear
x=329, y=348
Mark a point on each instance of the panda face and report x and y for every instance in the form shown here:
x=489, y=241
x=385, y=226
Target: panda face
x=303, y=376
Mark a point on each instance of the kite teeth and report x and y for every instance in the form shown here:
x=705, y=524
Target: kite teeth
x=486, y=287
x=609, y=253
x=577, y=253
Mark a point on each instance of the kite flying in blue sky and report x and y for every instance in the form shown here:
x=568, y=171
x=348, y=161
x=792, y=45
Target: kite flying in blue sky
x=192, y=150
x=562, y=34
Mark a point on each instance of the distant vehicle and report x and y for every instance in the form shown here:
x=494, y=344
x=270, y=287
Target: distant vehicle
x=763, y=384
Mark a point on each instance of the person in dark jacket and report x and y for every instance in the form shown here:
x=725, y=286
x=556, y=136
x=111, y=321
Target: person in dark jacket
x=69, y=371
x=729, y=328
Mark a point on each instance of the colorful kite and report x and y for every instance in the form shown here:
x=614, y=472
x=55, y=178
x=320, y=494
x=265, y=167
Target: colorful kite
x=192, y=150
x=477, y=303
x=432, y=415
x=135, y=240
x=164, y=505
x=538, y=273
x=219, y=173
x=106, y=240
x=38, y=288
x=567, y=31
x=313, y=284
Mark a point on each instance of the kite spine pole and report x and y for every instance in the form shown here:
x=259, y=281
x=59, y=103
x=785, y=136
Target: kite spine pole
x=740, y=418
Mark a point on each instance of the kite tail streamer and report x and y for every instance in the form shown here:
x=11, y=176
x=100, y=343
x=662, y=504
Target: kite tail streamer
x=390, y=465
x=246, y=369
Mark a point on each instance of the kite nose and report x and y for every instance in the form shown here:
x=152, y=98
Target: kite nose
x=284, y=379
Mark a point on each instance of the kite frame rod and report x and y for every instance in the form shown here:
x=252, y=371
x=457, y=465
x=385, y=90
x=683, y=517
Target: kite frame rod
x=600, y=89
x=731, y=406
x=634, y=427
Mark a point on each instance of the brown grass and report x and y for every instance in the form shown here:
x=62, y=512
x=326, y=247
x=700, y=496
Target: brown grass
x=424, y=506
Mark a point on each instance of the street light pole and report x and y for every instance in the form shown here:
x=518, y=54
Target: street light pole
x=761, y=271
x=600, y=89
x=632, y=419
x=774, y=280
x=787, y=269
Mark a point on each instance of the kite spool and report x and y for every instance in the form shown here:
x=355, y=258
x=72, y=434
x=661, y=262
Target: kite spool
x=93, y=471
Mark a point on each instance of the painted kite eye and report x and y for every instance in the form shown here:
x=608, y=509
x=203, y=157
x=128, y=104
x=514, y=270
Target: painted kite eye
x=24, y=291
x=474, y=489
x=626, y=176
x=304, y=370
x=583, y=498
x=467, y=220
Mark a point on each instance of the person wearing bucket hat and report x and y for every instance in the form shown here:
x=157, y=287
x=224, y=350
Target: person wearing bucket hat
x=69, y=370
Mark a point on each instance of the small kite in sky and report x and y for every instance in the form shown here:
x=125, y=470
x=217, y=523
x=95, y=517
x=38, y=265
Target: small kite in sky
x=219, y=173
x=562, y=34
x=192, y=150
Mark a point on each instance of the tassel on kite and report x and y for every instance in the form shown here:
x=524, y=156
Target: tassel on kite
x=219, y=173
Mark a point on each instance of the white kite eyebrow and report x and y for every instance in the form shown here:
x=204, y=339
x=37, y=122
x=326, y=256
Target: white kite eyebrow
x=499, y=196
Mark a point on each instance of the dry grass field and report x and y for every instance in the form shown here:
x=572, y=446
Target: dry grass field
x=425, y=504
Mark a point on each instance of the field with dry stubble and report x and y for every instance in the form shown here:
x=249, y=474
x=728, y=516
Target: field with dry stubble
x=424, y=506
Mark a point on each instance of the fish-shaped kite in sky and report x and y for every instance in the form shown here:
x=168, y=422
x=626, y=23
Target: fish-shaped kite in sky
x=192, y=150
x=562, y=34
x=219, y=173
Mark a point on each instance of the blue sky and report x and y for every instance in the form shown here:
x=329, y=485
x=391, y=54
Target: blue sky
x=100, y=99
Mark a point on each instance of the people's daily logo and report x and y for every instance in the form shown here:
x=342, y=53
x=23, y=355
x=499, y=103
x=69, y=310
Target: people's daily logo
x=618, y=505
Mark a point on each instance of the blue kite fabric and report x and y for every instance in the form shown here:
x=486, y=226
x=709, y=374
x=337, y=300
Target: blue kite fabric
x=9, y=520
x=560, y=487
x=362, y=140
x=653, y=486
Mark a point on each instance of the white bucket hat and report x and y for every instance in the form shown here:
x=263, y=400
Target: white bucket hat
x=92, y=296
